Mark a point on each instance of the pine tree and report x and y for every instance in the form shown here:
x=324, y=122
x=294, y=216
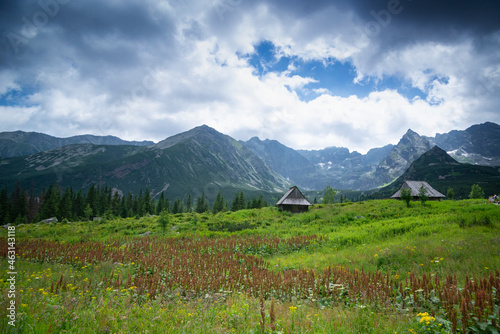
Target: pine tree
x=178, y=206
x=218, y=204
x=65, y=205
x=161, y=204
x=242, y=201
x=147, y=202
x=261, y=203
x=33, y=205
x=202, y=204
x=19, y=203
x=115, y=204
x=88, y=212
x=92, y=199
x=78, y=205
x=189, y=203
x=50, y=206
x=4, y=206
x=167, y=205
x=255, y=204
x=104, y=201
x=236, y=203
x=140, y=205
x=123, y=211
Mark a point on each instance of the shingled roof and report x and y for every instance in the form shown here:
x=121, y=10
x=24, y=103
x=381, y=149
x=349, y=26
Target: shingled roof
x=415, y=186
x=293, y=197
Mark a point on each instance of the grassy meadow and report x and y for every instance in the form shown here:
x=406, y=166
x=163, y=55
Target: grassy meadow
x=365, y=267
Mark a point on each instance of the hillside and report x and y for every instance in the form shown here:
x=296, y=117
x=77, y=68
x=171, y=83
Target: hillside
x=200, y=160
x=478, y=144
x=20, y=143
x=283, y=160
x=441, y=171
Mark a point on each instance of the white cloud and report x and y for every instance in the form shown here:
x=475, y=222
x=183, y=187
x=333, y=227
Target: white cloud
x=109, y=78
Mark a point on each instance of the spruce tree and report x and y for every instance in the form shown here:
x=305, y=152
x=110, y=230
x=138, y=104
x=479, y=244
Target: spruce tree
x=235, y=204
x=161, y=204
x=115, y=204
x=33, y=205
x=167, y=205
x=140, y=205
x=19, y=203
x=78, y=205
x=4, y=206
x=92, y=199
x=189, y=203
x=50, y=206
x=202, y=204
x=122, y=209
x=178, y=206
x=65, y=205
x=218, y=204
x=147, y=203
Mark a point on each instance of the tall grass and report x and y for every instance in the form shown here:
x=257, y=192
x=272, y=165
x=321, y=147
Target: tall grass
x=367, y=267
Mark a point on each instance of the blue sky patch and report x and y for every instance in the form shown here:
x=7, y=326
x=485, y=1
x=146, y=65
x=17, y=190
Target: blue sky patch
x=330, y=74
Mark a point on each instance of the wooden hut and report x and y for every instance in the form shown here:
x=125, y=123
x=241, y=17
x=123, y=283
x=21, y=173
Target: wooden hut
x=294, y=201
x=415, y=186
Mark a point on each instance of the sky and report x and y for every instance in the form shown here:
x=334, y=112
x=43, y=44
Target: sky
x=310, y=74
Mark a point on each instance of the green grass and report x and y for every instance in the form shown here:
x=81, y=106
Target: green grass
x=460, y=238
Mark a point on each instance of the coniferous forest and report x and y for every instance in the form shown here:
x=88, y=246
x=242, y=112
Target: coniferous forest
x=23, y=206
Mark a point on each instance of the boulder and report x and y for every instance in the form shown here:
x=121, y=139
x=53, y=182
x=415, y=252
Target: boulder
x=49, y=221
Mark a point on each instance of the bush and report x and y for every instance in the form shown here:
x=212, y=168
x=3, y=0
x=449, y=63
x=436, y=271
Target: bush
x=406, y=196
x=163, y=220
x=476, y=192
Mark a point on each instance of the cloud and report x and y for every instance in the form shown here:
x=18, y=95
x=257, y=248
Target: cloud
x=150, y=69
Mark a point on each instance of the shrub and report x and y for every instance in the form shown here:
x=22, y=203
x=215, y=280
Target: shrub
x=406, y=196
x=163, y=220
x=476, y=192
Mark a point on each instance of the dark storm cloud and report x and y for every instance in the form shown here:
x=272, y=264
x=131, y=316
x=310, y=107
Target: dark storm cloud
x=399, y=22
x=110, y=43
x=477, y=16
x=28, y=25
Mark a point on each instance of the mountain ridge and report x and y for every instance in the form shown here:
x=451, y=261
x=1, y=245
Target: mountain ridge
x=440, y=170
x=204, y=163
x=203, y=154
x=19, y=143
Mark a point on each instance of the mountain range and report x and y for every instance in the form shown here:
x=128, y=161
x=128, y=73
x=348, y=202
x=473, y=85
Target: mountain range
x=198, y=161
x=342, y=169
x=443, y=172
x=17, y=143
x=205, y=160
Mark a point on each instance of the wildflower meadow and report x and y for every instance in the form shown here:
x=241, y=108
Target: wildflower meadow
x=366, y=267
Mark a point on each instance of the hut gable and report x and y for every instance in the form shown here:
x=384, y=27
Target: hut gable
x=415, y=186
x=294, y=201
